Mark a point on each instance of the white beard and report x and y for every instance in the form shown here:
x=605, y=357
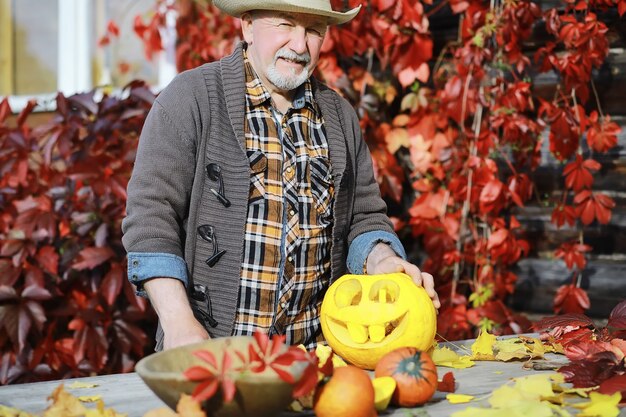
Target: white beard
x=291, y=81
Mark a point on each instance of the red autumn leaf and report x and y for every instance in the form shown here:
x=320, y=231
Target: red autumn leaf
x=571, y=299
x=90, y=258
x=573, y=253
x=48, y=259
x=26, y=111
x=614, y=384
x=617, y=318
x=563, y=214
x=593, y=370
x=112, y=284
x=490, y=193
x=104, y=41
x=578, y=173
x=497, y=238
x=307, y=383
x=602, y=136
x=35, y=292
x=5, y=110
x=123, y=67
x=113, y=29
x=452, y=321
x=447, y=383
x=593, y=206
x=564, y=136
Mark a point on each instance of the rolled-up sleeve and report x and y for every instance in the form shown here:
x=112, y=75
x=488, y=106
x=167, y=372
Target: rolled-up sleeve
x=145, y=266
x=363, y=244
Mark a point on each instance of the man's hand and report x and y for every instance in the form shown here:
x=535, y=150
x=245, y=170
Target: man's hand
x=169, y=299
x=383, y=260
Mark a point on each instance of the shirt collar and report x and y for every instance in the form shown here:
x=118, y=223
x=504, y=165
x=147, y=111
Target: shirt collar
x=257, y=94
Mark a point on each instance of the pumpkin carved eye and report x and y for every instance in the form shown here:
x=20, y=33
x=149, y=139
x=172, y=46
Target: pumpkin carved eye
x=349, y=293
x=384, y=292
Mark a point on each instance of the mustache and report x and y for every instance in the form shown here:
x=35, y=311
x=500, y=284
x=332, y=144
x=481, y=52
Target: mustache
x=285, y=53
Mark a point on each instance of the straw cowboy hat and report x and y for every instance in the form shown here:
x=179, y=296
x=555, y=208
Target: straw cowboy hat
x=316, y=7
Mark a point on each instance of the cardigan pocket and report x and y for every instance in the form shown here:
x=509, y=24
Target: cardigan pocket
x=258, y=168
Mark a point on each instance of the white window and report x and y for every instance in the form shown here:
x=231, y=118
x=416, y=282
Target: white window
x=52, y=45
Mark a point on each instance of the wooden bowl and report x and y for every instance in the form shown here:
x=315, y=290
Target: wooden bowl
x=257, y=394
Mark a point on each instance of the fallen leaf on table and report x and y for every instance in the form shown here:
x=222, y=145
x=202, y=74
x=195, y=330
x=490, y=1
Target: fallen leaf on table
x=64, y=404
x=13, y=412
x=527, y=397
x=514, y=348
x=447, y=357
x=600, y=405
x=89, y=398
x=539, y=385
x=101, y=411
x=459, y=398
x=77, y=385
x=447, y=383
x=482, y=348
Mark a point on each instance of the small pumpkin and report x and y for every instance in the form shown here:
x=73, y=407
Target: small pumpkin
x=415, y=374
x=365, y=316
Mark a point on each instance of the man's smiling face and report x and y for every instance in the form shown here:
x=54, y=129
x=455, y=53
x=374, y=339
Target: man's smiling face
x=284, y=48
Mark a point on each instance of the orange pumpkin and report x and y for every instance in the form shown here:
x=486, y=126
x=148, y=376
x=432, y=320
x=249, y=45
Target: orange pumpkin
x=415, y=374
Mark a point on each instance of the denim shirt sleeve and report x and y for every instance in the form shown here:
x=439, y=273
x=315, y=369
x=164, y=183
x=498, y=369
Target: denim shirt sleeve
x=363, y=244
x=144, y=266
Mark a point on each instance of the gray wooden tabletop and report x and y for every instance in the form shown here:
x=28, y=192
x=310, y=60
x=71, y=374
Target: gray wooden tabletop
x=126, y=393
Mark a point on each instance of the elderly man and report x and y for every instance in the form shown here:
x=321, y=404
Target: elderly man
x=253, y=189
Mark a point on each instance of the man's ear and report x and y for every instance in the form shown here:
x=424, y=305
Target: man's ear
x=246, y=27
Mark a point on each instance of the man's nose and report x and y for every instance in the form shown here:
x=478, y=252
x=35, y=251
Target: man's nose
x=298, y=40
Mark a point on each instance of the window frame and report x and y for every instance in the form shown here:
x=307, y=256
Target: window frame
x=76, y=47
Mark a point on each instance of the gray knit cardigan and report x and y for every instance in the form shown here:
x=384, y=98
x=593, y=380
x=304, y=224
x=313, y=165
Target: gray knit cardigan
x=199, y=119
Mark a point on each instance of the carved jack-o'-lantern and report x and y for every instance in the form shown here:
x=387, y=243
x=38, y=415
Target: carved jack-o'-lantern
x=365, y=316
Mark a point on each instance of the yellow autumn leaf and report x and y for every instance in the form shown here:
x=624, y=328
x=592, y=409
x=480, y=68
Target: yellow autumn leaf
x=459, y=398
x=89, y=398
x=507, y=396
x=481, y=412
x=510, y=344
x=518, y=348
x=581, y=392
x=444, y=356
x=78, y=385
x=13, y=412
x=537, y=350
x=323, y=352
x=64, y=404
x=188, y=407
x=508, y=356
x=482, y=348
x=396, y=138
x=600, y=405
x=538, y=384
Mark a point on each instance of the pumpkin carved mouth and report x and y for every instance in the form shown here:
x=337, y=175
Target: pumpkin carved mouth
x=373, y=320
